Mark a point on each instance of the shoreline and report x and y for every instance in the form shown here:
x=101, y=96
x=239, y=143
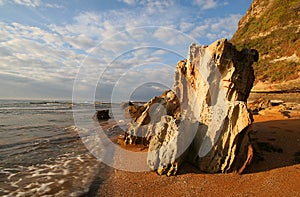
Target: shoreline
x=285, y=97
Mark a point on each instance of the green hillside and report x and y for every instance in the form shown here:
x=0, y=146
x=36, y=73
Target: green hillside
x=273, y=28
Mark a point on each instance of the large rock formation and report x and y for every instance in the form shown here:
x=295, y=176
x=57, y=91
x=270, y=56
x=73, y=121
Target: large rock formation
x=204, y=119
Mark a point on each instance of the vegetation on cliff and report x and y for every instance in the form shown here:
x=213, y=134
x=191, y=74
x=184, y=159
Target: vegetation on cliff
x=272, y=27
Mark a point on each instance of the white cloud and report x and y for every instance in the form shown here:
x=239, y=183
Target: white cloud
x=152, y=6
x=185, y=26
x=216, y=28
x=56, y=52
x=199, y=30
x=224, y=27
x=206, y=4
x=36, y=54
x=129, y=2
x=155, y=6
x=227, y=23
x=211, y=36
x=30, y=3
x=5, y=51
x=48, y=5
x=159, y=88
x=17, y=30
x=172, y=37
x=160, y=52
x=80, y=42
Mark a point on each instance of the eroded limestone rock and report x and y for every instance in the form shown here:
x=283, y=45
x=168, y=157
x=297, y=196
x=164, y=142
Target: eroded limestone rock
x=213, y=86
x=144, y=117
x=204, y=119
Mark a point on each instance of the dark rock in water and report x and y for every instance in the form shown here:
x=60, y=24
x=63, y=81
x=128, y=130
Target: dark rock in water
x=101, y=115
x=204, y=119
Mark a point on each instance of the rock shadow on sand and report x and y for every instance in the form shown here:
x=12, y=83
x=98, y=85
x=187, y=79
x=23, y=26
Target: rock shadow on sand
x=276, y=144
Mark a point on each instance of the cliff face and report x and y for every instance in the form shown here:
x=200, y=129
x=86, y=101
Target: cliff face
x=272, y=27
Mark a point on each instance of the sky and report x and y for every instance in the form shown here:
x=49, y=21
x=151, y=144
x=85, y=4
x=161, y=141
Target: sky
x=104, y=50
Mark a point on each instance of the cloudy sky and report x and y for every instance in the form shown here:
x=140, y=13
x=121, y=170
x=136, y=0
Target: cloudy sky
x=107, y=50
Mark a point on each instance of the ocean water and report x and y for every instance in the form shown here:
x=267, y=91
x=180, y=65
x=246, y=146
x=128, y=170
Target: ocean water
x=41, y=151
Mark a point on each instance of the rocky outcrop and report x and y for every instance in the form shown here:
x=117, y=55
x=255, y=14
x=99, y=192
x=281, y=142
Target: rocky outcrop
x=204, y=119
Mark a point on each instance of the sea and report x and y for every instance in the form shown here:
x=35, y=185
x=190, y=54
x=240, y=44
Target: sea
x=41, y=149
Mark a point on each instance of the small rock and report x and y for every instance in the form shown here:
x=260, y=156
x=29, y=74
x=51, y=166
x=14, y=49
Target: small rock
x=101, y=115
x=276, y=102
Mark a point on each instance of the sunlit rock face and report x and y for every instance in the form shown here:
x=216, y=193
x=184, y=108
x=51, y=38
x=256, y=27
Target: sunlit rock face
x=204, y=119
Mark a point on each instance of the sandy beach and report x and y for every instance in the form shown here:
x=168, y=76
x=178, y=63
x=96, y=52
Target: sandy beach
x=273, y=172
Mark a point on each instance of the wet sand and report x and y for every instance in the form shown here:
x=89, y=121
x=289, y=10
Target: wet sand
x=274, y=171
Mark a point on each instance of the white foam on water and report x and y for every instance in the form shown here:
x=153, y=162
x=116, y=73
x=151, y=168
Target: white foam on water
x=66, y=176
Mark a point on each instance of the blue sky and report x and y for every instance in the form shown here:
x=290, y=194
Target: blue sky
x=108, y=50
